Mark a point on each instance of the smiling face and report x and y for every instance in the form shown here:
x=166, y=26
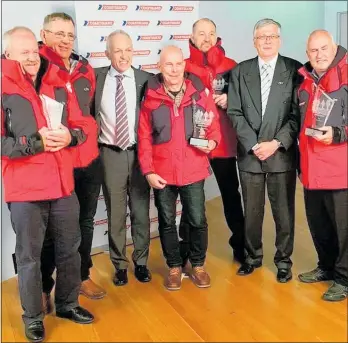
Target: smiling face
x=267, y=41
x=59, y=35
x=24, y=49
x=120, y=52
x=204, y=35
x=321, y=51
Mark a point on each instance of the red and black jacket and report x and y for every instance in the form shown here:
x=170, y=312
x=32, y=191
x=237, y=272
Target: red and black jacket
x=207, y=66
x=164, y=134
x=325, y=166
x=29, y=173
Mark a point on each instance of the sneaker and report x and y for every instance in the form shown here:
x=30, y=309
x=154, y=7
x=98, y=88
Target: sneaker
x=200, y=277
x=336, y=292
x=173, y=281
x=316, y=275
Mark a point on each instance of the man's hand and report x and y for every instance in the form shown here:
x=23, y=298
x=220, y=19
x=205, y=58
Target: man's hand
x=155, y=181
x=220, y=100
x=58, y=139
x=266, y=149
x=43, y=133
x=211, y=146
x=327, y=137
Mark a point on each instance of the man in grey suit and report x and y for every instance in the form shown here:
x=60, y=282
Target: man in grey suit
x=263, y=108
x=119, y=91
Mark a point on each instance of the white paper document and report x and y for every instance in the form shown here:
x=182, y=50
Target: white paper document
x=53, y=111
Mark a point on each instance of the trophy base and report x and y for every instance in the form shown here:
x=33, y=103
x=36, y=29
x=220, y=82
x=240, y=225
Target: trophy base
x=199, y=142
x=310, y=131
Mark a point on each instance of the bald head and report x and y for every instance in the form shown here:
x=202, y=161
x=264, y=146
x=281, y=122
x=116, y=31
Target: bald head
x=21, y=46
x=321, y=50
x=172, y=67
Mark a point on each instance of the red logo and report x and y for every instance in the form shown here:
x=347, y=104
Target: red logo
x=100, y=222
x=169, y=23
x=99, y=23
x=135, y=23
x=154, y=220
x=179, y=37
x=100, y=54
x=141, y=52
x=148, y=8
x=112, y=7
x=147, y=66
x=150, y=38
x=181, y=8
x=101, y=197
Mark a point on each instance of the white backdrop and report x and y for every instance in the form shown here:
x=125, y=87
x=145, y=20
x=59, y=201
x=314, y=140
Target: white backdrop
x=151, y=24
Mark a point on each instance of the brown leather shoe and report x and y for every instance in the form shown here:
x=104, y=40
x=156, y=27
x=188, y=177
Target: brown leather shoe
x=200, y=277
x=173, y=281
x=47, y=306
x=91, y=290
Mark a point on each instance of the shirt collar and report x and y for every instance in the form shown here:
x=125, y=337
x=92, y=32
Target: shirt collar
x=272, y=62
x=128, y=73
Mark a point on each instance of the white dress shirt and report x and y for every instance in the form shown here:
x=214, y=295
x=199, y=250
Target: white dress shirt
x=107, y=107
x=272, y=63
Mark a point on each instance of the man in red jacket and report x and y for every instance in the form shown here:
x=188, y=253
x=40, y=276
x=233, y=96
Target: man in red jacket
x=324, y=160
x=37, y=170
x=208, y=61
x=168, y=118
x=58, y=35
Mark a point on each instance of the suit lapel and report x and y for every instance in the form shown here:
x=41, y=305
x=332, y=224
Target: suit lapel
x=279, y=82
x=139, y=84
x=100, y=81
x=253, y=83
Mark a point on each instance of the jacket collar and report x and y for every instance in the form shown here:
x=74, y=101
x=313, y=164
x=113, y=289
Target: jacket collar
x=12, y=70
x=213, y=57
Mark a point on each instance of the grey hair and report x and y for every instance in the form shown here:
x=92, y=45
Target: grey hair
x=6, y=38
x=321, y=31
x=264, y=22
x=114, y=33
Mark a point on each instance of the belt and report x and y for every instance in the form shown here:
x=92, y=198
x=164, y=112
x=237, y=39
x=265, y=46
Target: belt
x=118, y=149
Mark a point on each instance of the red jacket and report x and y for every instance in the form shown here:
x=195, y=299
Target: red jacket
x=29, y=173
x=207, y=66
x=325, y=166
x=163, y=137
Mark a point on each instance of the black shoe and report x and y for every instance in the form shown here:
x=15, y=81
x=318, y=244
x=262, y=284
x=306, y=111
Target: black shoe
x=78, y=315
x=35, y=331
x=316, y=275
x=247, y=268
x=239, y=256
x=284, y=275
x=336, y=292
x=142, y=274
x=121, y=277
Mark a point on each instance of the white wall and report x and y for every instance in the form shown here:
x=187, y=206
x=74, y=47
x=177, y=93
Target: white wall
x=236, y=19
x=331, y=10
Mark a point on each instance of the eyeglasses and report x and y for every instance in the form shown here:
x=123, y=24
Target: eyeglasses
x=264, y=37
x=61, y=35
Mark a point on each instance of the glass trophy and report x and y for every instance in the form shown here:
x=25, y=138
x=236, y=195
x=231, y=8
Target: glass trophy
x=53, y=111
x=321, y=108
x=218, y=85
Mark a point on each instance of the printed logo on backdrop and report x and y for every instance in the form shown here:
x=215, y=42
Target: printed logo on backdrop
x=118, y=8
x=99, y=23
x=141, y=52
x=179, y=37
x=103, y=38
x=150, y=38
x=147, y=66
x=181, y=8
x=95, y=54
x=169, y=22
x=148, y=8
x=135, y=23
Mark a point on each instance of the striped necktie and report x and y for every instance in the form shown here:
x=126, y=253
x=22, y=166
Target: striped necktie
x=122, y=132
x=265, y=86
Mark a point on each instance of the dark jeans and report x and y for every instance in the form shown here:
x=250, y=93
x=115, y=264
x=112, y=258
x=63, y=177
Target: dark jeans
x=225, y=171
x=30, y=221
x=327, y=216
x=193, y=202
x=87, y=187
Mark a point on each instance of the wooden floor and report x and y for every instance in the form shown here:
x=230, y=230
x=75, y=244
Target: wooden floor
x=234, y=309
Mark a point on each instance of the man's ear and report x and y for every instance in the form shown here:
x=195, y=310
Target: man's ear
x=107, y=54
x=43, y=35
x=7, y=54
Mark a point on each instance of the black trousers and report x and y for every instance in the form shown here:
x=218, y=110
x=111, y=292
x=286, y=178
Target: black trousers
x=193, y=202
x=281, y=193
x=30, y=221
x=327, y=216
x=87, y=187
x=225, y=171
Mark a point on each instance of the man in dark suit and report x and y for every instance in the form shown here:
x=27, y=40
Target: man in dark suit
x=263, y=108
x=119, y=91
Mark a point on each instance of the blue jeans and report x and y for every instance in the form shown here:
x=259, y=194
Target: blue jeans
x=193, y=202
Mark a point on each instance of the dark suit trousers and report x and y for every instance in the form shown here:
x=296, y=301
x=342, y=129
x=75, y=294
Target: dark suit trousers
x=327, y=216
x=122, y=178
x=281, y=193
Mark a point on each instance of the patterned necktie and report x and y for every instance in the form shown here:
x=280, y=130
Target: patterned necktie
x=265, y=86
x=122, y=133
